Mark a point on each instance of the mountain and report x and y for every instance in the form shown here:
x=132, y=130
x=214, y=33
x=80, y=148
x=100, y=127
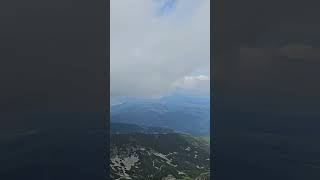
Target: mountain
x=159, y=156
x=179, y=111
x=160, y=138
x=122, y=128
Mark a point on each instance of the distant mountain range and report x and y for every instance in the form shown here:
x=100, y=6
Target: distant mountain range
x=179, y=111
x=122, y=128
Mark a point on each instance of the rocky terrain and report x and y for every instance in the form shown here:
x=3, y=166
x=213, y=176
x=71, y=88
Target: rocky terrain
x=166, y=156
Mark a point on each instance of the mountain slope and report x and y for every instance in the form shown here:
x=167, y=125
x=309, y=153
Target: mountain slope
x=180, y=112
x=122, y=128
x=158, y=156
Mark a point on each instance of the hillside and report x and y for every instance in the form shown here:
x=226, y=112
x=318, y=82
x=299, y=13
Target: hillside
x=123, y=128
x=179, y=112
x=158, y=156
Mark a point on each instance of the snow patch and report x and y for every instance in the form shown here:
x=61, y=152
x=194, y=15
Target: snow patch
x=168, y=161
x=122, y=165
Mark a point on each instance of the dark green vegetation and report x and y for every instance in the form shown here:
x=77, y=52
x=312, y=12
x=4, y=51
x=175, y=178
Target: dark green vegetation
x=205, y=138
x=159, y=156
x=120, y=128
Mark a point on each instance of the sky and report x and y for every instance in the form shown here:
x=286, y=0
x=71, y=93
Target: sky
x=158, y=46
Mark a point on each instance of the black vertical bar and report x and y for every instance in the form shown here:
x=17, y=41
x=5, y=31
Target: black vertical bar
x=54, y=89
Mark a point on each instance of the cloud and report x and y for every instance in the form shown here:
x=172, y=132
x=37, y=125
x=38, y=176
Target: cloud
x=196, y=84
x=151, y=52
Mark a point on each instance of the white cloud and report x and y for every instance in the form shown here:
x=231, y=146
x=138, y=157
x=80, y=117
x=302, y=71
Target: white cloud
x=150, y=53
x=199, y=84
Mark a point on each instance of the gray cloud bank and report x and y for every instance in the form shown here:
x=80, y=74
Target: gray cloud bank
x=151, y=53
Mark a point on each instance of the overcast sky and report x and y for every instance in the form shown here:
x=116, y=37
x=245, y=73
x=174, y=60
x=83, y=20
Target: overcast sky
x=158, y=45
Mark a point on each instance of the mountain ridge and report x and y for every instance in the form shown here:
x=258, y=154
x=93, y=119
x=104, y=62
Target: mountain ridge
x=178, y=111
